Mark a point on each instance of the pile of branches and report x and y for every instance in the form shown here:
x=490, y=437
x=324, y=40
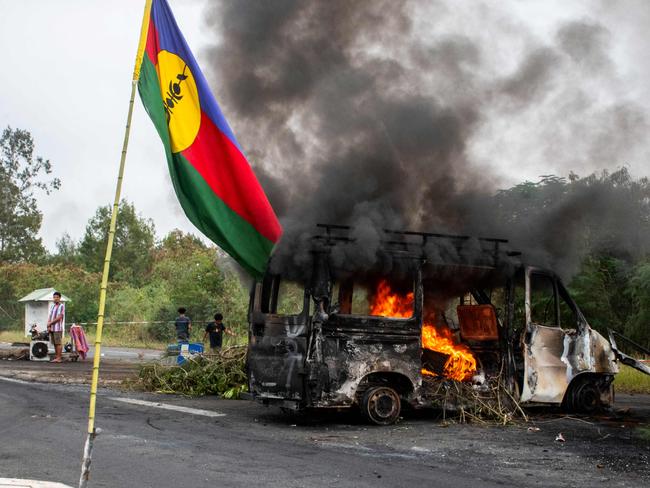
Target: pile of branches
x=221, y=374
x=490, y=402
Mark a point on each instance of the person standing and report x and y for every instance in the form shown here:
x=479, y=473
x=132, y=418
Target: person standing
x=215, y=330
x=183, y=326
x=56, y=325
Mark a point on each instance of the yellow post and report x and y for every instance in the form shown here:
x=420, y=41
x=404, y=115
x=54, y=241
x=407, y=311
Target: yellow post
x=85, y=465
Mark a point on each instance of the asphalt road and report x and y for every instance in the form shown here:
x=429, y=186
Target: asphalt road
x=239, y=443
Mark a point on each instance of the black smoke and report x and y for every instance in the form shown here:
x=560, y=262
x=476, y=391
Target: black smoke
x=354, y=113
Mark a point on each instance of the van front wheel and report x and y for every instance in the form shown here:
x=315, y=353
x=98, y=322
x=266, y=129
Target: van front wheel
x=381, y=405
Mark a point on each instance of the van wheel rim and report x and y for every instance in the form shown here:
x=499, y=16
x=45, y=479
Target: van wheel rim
x=383, y=405
x=589, y=398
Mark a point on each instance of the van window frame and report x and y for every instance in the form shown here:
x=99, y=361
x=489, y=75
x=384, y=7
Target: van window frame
x=415, y=276
x=269, y=294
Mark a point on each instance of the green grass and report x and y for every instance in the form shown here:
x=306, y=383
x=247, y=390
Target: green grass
x=124, y=339
x=629, y=380
x=121, y=336
x=644, y=432
x=12, y=336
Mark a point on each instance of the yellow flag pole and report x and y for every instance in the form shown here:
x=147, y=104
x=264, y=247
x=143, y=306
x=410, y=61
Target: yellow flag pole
x=88, y=447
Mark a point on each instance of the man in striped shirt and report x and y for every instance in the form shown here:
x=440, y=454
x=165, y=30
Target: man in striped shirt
x=56, y=324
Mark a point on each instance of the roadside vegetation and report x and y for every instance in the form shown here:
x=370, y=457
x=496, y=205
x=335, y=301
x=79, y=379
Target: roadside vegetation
x=629, y=380
x=644, y=433
x=140, y=309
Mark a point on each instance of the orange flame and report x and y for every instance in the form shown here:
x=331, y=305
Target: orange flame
x=386, y=303
x=460, y=365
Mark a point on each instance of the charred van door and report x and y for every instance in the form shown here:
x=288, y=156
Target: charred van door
x=278, y=337
x=545, y=342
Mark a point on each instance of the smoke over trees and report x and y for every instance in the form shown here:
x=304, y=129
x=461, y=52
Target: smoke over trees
x=399, y=114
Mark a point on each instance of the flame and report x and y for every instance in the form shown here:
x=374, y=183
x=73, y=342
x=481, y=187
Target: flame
x=386, y=303
x=461, y=364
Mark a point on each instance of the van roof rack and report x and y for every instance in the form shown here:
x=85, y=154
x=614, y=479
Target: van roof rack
x=453, y=249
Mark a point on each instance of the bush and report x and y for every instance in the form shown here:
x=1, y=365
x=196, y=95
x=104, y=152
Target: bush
x=130, y=304
x=161, y=331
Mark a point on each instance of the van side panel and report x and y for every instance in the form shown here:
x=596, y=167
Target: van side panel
x=356, y=347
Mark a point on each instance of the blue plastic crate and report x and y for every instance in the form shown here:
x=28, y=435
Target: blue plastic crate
x=188, y=349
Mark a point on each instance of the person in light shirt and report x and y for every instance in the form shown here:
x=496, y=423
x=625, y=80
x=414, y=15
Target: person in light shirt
x=56, y=324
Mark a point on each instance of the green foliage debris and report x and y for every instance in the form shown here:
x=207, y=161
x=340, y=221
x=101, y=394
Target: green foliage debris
x=217, y=374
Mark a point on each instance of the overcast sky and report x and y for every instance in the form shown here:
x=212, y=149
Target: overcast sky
x=67, y=71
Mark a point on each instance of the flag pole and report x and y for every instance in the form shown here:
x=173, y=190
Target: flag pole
x=92, y=433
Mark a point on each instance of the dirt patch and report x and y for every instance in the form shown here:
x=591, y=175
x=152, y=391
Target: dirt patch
x=14, y=354
x=111, y=373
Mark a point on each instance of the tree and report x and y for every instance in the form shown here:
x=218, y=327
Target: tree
x=197, y=279
x=558, y=223
x=21, y=174
x=178, y=243
x=638, y=327
x=67, y=250
x=601, y=290
x=132, y=247
x=19, y=279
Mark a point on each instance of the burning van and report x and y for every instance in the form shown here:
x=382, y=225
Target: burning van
x=434, y=309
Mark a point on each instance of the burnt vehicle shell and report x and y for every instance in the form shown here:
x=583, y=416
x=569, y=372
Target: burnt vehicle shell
x=324, y=356
x=565, y=363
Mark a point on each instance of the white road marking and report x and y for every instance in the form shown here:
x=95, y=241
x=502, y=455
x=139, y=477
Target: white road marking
x=14, y=380
x=16, y=483
x=135, y=401
x=167, y=406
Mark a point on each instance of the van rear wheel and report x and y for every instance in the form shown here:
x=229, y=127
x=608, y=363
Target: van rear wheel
x=381, y=405
x=584, y=397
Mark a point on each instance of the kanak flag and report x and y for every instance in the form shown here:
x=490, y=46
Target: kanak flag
x=213, y=180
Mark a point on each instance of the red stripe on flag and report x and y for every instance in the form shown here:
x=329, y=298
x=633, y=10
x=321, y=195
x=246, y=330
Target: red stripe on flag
x=229, y=175
x=153, y=44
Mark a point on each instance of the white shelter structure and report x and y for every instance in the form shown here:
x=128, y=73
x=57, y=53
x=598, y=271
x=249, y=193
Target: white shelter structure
x=37, y=307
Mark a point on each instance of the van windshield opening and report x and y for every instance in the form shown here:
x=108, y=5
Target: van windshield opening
x=281, y=296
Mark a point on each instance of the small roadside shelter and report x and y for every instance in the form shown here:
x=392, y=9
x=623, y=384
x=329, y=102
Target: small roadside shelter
x=37, y=306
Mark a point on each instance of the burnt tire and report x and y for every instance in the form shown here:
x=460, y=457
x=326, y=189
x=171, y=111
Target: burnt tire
x=584, y=397
x=381, y=405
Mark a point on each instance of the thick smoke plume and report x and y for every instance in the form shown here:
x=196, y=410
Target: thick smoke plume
x=378, y=115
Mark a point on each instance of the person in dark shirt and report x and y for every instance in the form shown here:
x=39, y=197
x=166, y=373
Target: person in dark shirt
x=215, y=331
x=183, y=326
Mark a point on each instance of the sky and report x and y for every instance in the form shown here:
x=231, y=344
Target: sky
x=67, y=79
